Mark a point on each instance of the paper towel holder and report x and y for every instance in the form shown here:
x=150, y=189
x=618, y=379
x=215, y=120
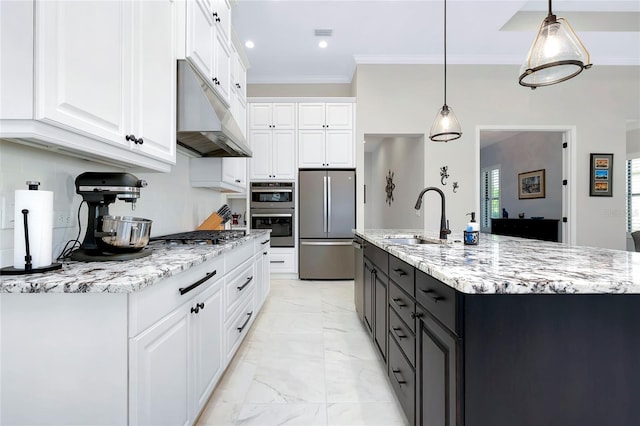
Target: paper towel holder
x=28, y=269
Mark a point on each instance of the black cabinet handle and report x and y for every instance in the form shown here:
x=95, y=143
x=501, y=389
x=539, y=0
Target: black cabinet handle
x=131, y=138
x=184, y=290
x=238, y=180
x=426, y=291
x=436, y=298
x=396, y=373
x=265, y=242
x=398, y=300
x=415, y=315
x=139, y=141
x=200, y=305
x=399, y=271
x=265, y=253
x=400, y=336
x=246, y=322
x=195, y=310
x=245, y=284
x=215, y=81
x=277, y=261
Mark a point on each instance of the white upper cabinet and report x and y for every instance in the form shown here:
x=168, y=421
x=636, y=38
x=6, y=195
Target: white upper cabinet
x=208, y=43
x=325, y=136
x=279, y=116
x=199, y=40
x=103, y=76
x=273, y=155
x=227, y=174
x=336, y=116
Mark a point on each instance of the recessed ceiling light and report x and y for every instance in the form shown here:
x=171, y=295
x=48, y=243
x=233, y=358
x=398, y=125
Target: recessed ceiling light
x=249, y=44
x=322, y=44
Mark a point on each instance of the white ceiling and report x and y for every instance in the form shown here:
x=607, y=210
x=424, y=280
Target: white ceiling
x=411, y=31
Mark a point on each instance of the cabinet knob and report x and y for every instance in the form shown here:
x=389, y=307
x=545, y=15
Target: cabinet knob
x=139, y=141
x=238, y=180
x=131, y=137
x=415, y=315
x=215, y=81
x=195, y=310
x=200, y=305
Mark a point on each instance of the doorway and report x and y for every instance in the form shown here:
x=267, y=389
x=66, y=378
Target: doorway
x=504, y=153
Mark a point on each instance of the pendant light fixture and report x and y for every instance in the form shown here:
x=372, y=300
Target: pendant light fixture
x=445, y=127
x=557, y=54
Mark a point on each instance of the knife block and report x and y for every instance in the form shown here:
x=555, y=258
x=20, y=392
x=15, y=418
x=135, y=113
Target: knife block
x=213, y=223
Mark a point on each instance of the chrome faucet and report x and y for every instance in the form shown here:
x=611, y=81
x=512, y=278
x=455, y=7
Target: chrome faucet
x=444, y=223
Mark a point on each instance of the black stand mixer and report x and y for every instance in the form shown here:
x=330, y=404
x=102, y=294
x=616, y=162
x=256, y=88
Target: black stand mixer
x=111, y=237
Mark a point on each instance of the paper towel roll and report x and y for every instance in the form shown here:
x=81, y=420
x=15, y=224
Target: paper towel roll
x=40, y=222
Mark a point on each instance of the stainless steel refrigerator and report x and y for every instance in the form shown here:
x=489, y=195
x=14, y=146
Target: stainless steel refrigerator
x=327, y=217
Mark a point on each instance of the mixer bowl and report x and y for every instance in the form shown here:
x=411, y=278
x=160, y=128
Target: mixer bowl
x=130, y=234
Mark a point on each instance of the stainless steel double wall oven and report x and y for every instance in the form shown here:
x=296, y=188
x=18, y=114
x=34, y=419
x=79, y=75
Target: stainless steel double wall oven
x=272, y=206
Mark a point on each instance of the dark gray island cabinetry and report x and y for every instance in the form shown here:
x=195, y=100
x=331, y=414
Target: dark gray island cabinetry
x=525, y=356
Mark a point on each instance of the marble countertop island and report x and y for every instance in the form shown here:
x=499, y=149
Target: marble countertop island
x=121, y=277
x=510, y=265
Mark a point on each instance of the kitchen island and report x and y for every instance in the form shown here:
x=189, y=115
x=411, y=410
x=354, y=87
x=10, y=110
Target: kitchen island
x=510, y=332
x=135, y=342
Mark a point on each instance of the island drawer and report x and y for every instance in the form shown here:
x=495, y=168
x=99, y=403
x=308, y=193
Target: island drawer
x=402, y=273
x=238, y=284
x=378, y=257
x=439, y=299
x=403, y=335
x=402, y=377
x=403, y=304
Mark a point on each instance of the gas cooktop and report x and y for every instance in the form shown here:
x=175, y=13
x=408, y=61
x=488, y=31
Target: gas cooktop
x=201, y=237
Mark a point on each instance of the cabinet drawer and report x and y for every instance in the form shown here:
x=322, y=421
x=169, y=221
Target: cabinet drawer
x=149, y=305
x=239, y=283
x=282, y=262
x=238, y=256
x=403, y=336
x=403, y=304
x=439, y=299
x=402, y=273
x=378, y=257
x=238, y=326
x=261, y=243
x=402, y=377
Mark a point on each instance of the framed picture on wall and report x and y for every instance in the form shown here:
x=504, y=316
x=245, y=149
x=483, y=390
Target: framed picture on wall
x=531, y=184
x=601, y=175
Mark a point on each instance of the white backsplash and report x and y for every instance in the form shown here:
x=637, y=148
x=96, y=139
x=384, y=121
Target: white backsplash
x=168, y=200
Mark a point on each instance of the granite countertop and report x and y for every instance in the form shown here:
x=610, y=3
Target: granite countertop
x=510, y=265
x=121, y=277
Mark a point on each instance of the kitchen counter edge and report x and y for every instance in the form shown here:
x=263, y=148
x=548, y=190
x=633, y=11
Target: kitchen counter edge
x=121, y=277
x=511, y=265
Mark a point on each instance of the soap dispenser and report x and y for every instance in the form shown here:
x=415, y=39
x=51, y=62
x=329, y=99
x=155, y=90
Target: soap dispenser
x=472, y=232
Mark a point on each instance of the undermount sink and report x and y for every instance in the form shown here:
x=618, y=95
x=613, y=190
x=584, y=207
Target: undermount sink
x=409, y=241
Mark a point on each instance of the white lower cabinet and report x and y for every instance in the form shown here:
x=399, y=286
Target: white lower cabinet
x=158, y=373
x=206, y=335
x=283, y=260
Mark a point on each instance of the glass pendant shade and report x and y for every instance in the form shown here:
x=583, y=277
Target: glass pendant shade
x=445, y=127
x=557, y=54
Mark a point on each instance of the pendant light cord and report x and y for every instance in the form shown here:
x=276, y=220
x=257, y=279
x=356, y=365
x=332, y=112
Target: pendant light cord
x=445, y=51
x=550, y=13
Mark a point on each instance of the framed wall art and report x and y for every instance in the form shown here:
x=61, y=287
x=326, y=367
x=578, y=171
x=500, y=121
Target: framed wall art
x=531, y=185
x=601, y=175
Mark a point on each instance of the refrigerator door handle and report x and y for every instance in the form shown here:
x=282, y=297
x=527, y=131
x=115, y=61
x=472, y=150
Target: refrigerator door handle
x=324, y=206
x=329, y=205
x=325, y=243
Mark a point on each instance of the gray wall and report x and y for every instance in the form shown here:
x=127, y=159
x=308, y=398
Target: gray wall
x=402, y=155
x=397, y=99
x=168, y=200
x=299, y=90
x=524, y=153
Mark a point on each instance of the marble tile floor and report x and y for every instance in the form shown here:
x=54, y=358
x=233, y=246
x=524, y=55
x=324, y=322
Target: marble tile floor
x=306, y=361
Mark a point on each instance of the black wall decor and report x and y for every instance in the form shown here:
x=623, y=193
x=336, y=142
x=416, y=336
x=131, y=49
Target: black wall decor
x=601, y=175
x=390, y=187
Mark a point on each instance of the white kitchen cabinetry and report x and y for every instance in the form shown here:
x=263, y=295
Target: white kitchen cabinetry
x=325, y=116
x=278, y=116
x=159, y=372
x=98, y=79
x=227, y=174
x=283, y=260
x=206, y=335
x=325, y=136
x=273, y=155
x=208, y=43
x=238, y=87
x=325, y=148
x=262, y=268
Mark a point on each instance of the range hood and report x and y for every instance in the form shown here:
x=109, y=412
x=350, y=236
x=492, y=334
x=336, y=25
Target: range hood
x=204, y=123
